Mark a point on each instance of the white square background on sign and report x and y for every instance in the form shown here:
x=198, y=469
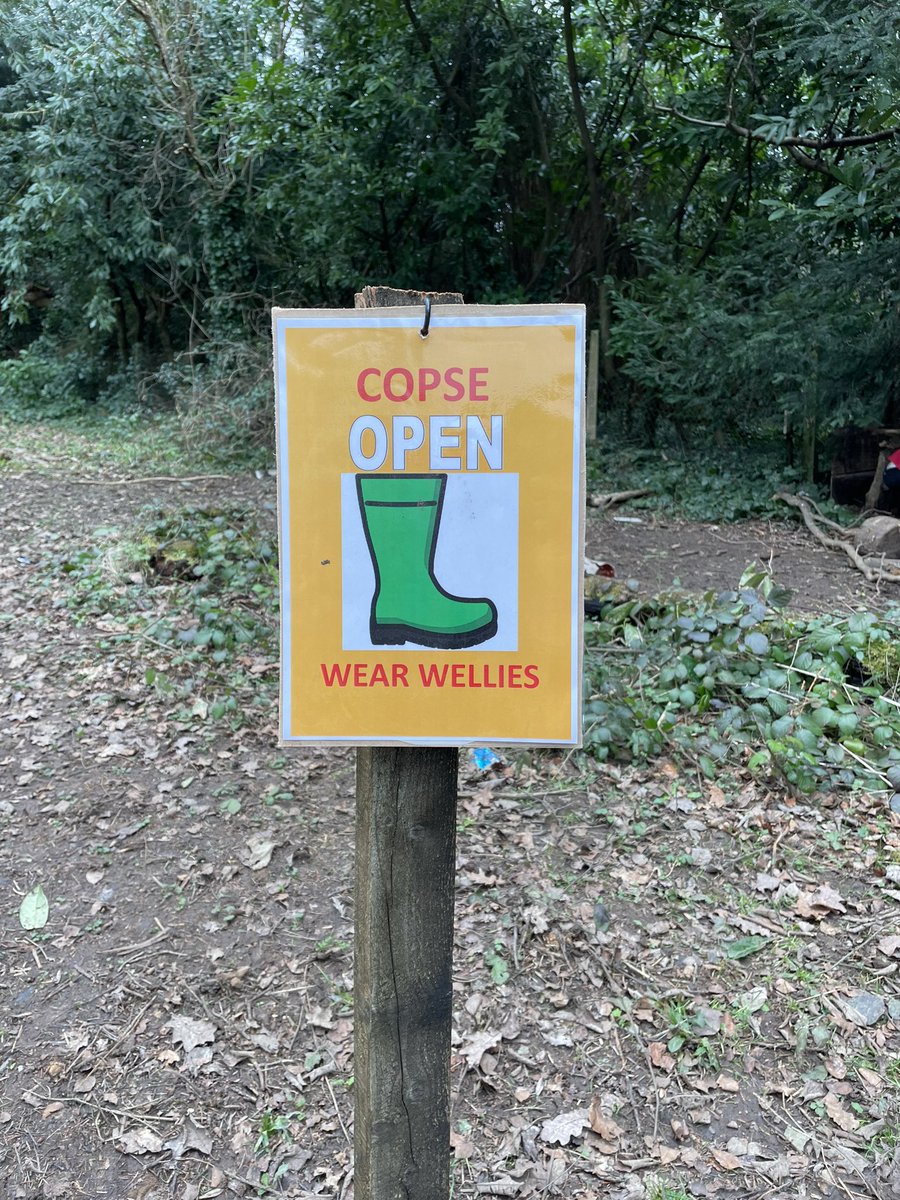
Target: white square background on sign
x=477, y=554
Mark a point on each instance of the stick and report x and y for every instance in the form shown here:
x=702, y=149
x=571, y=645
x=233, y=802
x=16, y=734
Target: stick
x=607, y=499
x=834, y=543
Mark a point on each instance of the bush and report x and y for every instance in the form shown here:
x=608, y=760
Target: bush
x=223, y=395
x=42, y=382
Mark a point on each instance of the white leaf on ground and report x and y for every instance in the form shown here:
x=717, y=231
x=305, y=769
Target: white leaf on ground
x=476, y=1046
x=189, y=1032
x=753, y=1000
x=190, y=1138
x=34, y=909
x=741, y=1146
x=196, y=1059
x=815, y=906
x=266, y=1041
x=257, y=853
x=536, y=917
x=501, y=1187
x=561, y=1129
x=139, y=1141
x=849, y=1160
x=706, y=1022
x=462, y=1146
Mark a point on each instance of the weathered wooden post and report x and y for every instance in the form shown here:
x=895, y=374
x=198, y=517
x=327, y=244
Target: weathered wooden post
x=431, y=504
x=403, y=958
x=593, y=380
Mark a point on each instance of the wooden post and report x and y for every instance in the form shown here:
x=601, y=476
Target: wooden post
x=403, y=977
x=593, y=379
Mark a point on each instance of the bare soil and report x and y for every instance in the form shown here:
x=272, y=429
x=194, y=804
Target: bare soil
x=658, y=552
x=664, y=987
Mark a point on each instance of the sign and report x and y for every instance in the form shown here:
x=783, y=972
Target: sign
x=431, y=524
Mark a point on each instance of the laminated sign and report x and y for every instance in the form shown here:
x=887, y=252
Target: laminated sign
x=431, y=500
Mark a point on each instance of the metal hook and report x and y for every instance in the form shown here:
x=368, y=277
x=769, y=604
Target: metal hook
x=423, y=332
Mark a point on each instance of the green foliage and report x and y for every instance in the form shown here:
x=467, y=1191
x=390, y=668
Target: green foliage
x=727, y=485
x=224, y=402
x=42, y=382
x=718, y=185
x=732, y=681
x=195, y=593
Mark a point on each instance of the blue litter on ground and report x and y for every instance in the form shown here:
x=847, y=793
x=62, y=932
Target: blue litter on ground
x=484, y=758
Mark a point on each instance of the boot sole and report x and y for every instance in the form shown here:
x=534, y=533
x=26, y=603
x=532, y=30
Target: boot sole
x=399, y=635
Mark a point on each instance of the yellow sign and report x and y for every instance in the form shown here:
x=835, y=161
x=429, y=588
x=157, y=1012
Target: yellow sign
x=431, y=504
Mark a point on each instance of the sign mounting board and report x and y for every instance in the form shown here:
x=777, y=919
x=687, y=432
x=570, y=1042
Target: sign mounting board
x=431, y=502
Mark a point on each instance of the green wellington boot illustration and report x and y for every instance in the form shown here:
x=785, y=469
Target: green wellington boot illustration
x=401, y=516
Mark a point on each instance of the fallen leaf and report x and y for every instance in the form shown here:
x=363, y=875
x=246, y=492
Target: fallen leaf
x=501, y=1187
x=680, y=1129
x=139, y=1141
x=601, y=1124
x=816, y=906
x=85, y=1084
x=753, y=1000
x=796, y=1137
x=475, y=1047
x=194, y=1060
x=189, y=1032
x=841, y=1116
x=258, y=853
x=726, y=1160
x=706, y=1022
x=890, y=946
x=190, y=1138
x=660, y=1056
x=871, y=1078
x=559, y=1130
x=665, y=1154
x=742, y=1146
x=462, y=1146
x=863, y=1008
x=746, y=946
x=34, y=909
x=266, y=1041
x=725, y=1083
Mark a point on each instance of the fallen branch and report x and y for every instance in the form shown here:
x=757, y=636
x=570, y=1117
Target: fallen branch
x=603, y=500
x=830, y=542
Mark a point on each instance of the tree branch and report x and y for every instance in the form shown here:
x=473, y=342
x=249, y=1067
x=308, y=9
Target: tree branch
x=424, y=39
x=809, y=143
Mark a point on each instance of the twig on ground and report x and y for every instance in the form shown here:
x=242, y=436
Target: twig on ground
x=603, y=500
x=839, y=543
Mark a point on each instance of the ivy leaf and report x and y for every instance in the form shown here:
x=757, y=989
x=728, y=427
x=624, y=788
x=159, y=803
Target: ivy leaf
x=34, y=909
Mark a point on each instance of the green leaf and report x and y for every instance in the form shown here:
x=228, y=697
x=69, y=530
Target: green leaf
x=830, y=196
x=756, y=643
x=34, y=909
x=746, y=946
x=499, y=968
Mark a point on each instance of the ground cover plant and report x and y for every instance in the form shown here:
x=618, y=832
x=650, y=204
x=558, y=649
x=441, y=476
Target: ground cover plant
x=733, y=677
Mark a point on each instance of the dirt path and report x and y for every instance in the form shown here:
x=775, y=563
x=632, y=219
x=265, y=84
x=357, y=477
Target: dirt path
x=654, y=994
